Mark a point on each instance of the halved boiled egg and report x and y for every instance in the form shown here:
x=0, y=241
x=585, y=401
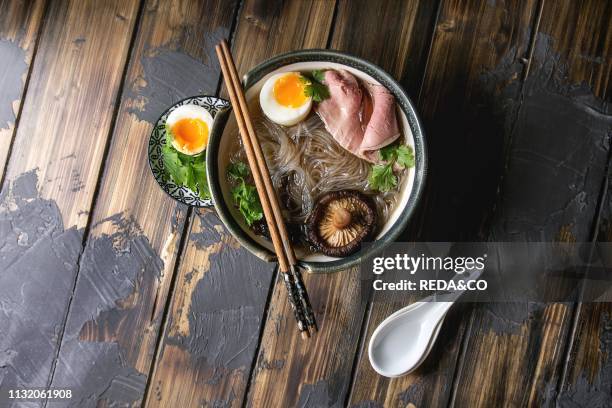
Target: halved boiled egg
x=189, y=127
x=283, y=98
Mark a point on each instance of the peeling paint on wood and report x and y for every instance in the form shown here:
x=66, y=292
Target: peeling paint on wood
x=567, y=171
x=319, y=394
x=214, y=321
x=12, y=71
x=69, y=107
x=225, y=312
x=171, y=75
x=591, y=371
x=368, y=404
x=38, y=263
x=113, y=268
x=558, y=152
x=412, y=395
x=225, y=304
x=19, y=27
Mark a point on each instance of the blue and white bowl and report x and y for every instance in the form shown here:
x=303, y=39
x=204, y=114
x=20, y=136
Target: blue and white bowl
x=158, y=139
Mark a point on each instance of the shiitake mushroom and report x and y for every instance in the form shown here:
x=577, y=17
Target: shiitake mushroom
x=340, y=221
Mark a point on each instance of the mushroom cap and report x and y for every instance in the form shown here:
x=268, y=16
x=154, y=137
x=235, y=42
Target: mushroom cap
x=340, y=221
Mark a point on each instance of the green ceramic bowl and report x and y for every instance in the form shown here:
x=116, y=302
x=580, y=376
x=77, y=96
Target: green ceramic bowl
x=219, y=143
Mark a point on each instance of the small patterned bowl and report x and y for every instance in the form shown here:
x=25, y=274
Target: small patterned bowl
x=158, y=139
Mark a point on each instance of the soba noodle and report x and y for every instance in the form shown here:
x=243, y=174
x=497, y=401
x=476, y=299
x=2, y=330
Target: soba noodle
x=306, y=162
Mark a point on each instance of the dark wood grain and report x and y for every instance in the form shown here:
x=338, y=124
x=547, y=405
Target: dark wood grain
x=588, y=374
x=470, y=40
x=136, y=226
x=290, y=372
x=383, y=33
x=587, y=49
x=19, y=27
x=52, y=175
x=515, y=352
x=268, y=28
x=582, y=37
x=215, y=318
x=587, y=382
x=293, y=372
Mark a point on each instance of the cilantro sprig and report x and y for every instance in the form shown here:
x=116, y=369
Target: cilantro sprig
x=402, y=154
x=315, y=85
x=244, y=194
x=382, y=177
x=185, y=170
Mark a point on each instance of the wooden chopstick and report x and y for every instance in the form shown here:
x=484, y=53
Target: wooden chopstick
x=262, y=181
x=272, y=198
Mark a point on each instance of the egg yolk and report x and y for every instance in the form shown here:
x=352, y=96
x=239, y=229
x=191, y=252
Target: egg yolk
x=192, y=134
x=289, y=91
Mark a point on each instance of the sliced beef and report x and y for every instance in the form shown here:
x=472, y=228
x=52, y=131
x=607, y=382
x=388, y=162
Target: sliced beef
x=341, y=112
x=382, y=128
x=360, y=120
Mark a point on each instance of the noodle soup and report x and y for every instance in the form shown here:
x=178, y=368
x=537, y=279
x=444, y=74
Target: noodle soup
x=305, y=162
x=315, y=173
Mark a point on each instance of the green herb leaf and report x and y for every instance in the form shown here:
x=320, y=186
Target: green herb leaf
x=388, y=153
x=173, y=165
x=238, y=170
x=190, y=180
x=382, y=177
x=317, y=91
x=199, y=172
x=318, y=75
x=246, y=199
x=405, y=156
x=315, y=87
x=244, y=194
x=402, y=154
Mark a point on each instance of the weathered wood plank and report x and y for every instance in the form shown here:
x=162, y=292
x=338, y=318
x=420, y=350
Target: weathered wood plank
x=365, y=28
x=291, y=372
x=19, y=26
x=555, y=167
x=128, y=263
x=471, y=40
x=214, y=320
x=215, y=317
x=588, y=374
x=261, y=30
x=582, y=36
x=68, y=110
x=63, y=130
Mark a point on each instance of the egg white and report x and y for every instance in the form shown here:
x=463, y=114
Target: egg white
x=276, y=112
x=190, y=112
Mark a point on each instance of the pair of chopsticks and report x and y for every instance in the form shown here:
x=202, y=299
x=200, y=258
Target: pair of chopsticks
x=269, y=202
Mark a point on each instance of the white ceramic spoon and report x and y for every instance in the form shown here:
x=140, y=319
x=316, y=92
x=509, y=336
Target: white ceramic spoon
x=404, y=339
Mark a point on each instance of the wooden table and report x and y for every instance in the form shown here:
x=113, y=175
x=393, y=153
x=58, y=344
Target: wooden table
x=110, y=288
